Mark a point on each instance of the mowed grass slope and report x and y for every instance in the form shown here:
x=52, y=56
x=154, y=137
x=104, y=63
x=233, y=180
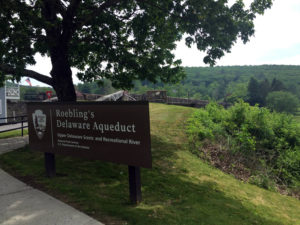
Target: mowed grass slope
x=180, y=189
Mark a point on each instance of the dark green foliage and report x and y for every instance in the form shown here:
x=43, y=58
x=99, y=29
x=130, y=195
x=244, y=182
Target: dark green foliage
x=277, y=85
x=254, y=92
x=282, y=101
x=258, y=91
x=265, y=88
x=268, y=143
x=94, y=88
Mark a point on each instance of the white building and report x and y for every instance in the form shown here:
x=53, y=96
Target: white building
x=10, y=91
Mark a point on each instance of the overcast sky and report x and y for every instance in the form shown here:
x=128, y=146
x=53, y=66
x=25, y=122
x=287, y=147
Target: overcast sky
x=276, y=41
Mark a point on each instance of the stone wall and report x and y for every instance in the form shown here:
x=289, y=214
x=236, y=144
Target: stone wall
x=173, y=100
x=138, y=97
x=157, y=96
x=187, y=102
x=16, y=108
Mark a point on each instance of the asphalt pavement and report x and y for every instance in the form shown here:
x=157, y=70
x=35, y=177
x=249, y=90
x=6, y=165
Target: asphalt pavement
x=21, y=204
x=12, y=126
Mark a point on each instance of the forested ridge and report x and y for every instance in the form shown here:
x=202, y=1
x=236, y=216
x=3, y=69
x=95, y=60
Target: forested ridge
x=220, y=82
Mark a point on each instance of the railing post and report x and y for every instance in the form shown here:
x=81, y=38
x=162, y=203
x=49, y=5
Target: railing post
x=22, y=125
x=17, y=122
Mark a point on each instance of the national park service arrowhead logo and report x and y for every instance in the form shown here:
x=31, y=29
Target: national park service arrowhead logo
x=39, y=123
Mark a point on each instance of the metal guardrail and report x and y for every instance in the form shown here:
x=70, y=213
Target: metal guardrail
x=16, y=120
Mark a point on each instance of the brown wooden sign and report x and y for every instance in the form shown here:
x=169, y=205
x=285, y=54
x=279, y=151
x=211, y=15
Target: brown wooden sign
x=111, y=131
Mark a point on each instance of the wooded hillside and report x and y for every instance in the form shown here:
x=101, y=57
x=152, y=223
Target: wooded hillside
x=218, y=82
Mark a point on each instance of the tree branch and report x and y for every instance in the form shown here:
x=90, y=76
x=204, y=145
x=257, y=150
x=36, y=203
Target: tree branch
x=125, y=18
x=52, y=23
x=28, y=73
x=150, y=3
x=61, y=8
x=73, y=6
x=97, y=11
x=68, y=17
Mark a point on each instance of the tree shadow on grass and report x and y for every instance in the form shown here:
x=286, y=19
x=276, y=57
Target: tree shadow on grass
x=169, y=195
x=166, y=192
x=163, y=151
x=171, y=198
x=194, y=203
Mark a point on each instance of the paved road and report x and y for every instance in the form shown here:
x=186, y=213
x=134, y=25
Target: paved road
x=12, y=126
x=9, y=144
x=21, y=204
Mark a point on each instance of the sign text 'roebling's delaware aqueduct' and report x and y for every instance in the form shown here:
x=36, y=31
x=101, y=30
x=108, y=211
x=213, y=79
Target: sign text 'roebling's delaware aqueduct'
x=115, y=132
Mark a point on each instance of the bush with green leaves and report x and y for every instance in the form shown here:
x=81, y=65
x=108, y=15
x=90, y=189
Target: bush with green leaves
x=269, y=138
x=282, y=101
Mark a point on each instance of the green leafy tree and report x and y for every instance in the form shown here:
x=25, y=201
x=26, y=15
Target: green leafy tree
x=84, y=88
x=121, y=40
x=282, y=101
x=253, y=91
x=258, y=91
x=236, y=91
x=277, y=85
x=294, y=88
x=264, y=89
x=95, y=88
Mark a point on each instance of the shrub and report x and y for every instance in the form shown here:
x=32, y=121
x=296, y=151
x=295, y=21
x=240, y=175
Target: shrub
x=282, y=101
x=255, y=133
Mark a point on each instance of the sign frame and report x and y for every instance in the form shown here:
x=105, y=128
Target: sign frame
x=114, y=146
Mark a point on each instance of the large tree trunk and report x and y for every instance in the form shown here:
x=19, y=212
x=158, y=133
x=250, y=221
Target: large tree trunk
x=62, y=78
x=65, y=91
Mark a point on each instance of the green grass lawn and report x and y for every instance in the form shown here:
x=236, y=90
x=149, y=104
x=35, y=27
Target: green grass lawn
x=180, y=189
x=13, y=133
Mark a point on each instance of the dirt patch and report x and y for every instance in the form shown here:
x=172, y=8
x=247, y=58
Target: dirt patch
x=237, y=165
x=222, y=159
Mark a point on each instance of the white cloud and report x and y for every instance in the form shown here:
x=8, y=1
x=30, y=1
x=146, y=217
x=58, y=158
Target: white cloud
x=293, y=60
x=189, y=56
x=42, y=66
x=276, y=30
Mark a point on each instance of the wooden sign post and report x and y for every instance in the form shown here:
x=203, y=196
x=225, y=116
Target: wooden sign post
x=117, y=132
x=50, y=164
x=135, y=192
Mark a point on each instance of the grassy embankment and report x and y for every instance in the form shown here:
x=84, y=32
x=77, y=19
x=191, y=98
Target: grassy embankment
x=180, y=189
